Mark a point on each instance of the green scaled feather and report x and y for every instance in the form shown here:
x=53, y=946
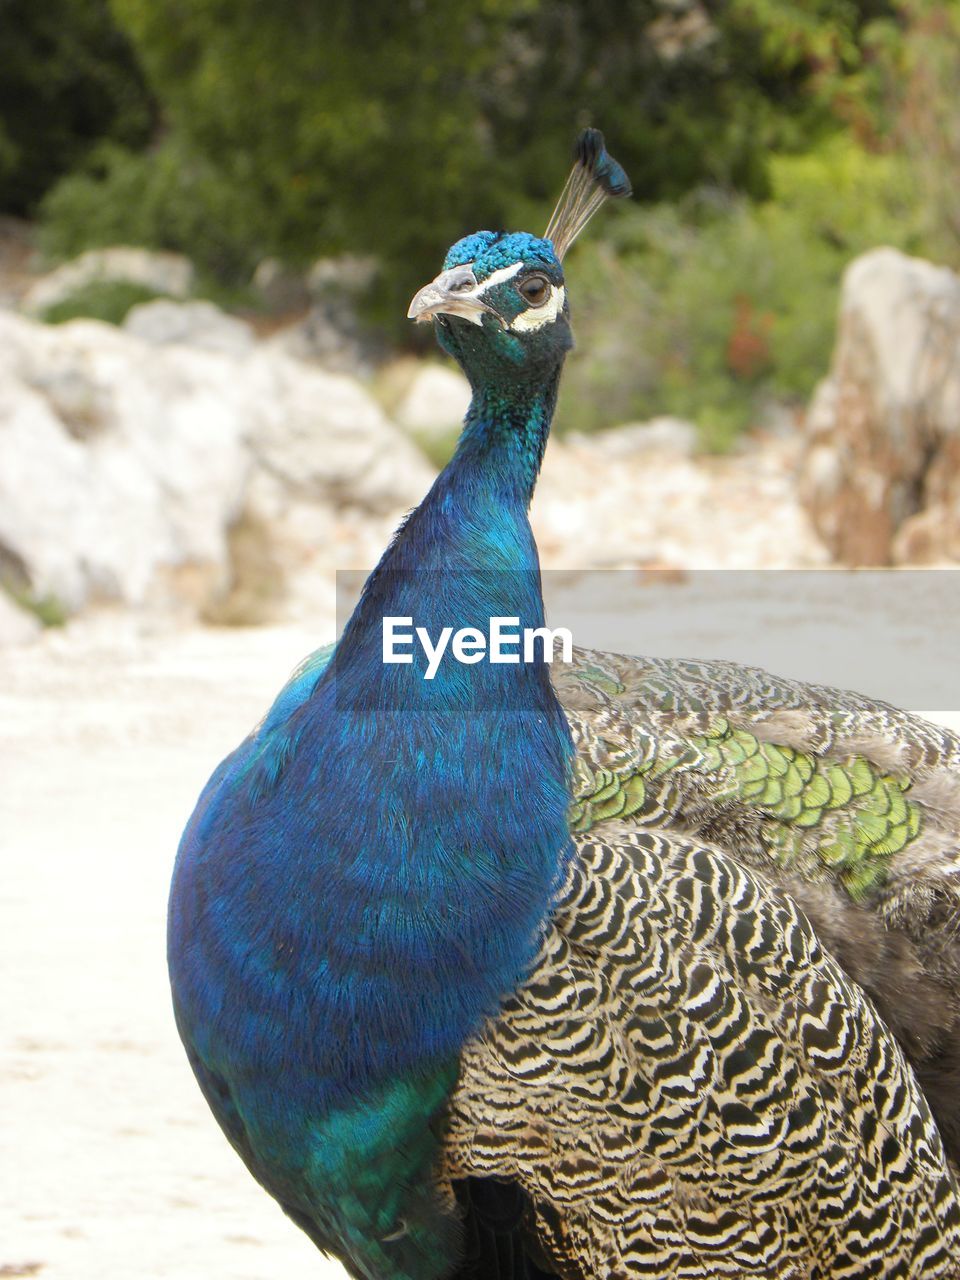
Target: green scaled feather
x=845, y=819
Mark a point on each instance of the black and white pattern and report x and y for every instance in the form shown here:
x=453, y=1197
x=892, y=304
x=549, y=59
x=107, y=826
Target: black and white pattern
x=690, y=1085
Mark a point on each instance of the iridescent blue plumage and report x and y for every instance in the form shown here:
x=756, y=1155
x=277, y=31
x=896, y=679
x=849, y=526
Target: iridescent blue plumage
x=490, y=251
x=366, y=876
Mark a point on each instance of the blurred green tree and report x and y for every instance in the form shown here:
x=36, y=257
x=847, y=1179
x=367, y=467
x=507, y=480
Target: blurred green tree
x=926, y=69
x=69, y=78
x=313, y=126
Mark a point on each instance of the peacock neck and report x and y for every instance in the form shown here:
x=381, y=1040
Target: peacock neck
x=505, y=433
x=466, y=555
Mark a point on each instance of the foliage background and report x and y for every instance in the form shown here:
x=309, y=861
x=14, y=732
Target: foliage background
x=769, y=141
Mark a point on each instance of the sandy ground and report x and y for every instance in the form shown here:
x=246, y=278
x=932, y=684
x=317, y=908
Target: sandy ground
x=111, y=1167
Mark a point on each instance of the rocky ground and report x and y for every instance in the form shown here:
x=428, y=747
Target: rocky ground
x=632, y=497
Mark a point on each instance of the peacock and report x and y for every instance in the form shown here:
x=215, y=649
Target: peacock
x=600, y=969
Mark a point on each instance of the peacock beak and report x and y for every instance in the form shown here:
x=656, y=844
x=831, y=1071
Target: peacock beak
x=454, y=293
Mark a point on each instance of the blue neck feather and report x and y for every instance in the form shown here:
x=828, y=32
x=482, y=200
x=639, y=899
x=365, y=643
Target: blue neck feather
x=426, y=818
x=504, y=437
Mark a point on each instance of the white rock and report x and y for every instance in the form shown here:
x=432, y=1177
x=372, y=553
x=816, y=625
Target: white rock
x=884, y=428
x=329, y=337
x=235, y=486
x=661, y=435
x=331, y=333
x=594, y=509
x=282, y=287
x=169, y=273
x=436, y=400
x=16, y=625
x=348, y=274
x=196, y=324
x=124, y=468
x=326, y=438
x=146, y=487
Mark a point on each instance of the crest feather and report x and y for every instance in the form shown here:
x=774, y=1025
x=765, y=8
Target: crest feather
x=595, y=177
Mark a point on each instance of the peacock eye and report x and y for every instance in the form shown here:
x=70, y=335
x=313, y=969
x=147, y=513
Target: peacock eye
x=536, y=290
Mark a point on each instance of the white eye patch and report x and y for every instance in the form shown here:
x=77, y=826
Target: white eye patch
x=537, y=317
x=470, y=298
x=531, y=319
x=499, y=276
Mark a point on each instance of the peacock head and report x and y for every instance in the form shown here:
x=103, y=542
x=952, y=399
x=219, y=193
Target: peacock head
x=499, y=306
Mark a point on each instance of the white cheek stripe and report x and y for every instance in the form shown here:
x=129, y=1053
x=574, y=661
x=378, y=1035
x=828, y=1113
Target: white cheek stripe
x=495, y=278
x=526, y=321
x=498, y=277
x=537, y=317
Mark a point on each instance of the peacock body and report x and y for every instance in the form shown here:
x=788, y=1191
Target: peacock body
x=615, y=974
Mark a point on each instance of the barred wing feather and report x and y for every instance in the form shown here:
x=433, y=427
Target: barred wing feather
x=701, y=1076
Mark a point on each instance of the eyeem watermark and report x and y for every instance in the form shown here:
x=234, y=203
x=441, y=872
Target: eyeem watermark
x=504, y=643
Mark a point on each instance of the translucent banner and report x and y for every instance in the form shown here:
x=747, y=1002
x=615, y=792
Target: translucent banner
x=889, y=634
